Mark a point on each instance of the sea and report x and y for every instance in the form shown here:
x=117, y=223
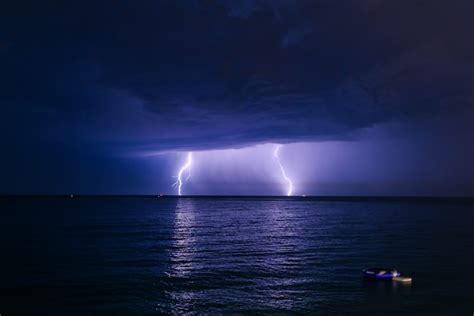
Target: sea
x=151, y=255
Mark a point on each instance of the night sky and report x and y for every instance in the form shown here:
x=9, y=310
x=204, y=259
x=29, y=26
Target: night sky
x=367, y=97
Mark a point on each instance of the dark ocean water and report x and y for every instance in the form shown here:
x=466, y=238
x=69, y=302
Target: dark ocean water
x=234, y=255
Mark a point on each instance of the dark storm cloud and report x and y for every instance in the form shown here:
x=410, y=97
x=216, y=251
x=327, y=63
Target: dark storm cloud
x=160, y=75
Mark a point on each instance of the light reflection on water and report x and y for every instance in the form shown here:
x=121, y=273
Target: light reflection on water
x=183, y=240
x=182, y=256
x=218, y=251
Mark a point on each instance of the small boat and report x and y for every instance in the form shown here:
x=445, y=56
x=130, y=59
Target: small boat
x=380, y=273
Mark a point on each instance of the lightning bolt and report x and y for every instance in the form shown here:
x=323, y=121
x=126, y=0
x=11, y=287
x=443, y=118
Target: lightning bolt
x=186, y=166
x=282, y=170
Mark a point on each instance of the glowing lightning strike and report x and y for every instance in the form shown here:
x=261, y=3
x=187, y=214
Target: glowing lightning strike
x=187, y=166
x=277, y=157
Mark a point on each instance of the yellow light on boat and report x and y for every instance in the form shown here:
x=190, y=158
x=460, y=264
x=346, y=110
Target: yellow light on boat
x=402, y=279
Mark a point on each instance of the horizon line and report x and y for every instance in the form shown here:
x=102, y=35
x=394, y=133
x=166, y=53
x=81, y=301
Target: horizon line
x=243, y=196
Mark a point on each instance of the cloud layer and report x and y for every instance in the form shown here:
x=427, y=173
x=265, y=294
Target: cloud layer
x=166, y=75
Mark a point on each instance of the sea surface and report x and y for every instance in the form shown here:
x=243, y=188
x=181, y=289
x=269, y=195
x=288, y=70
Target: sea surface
x=234, y=255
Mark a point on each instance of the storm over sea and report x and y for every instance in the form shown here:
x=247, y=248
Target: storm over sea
x=221, y=255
